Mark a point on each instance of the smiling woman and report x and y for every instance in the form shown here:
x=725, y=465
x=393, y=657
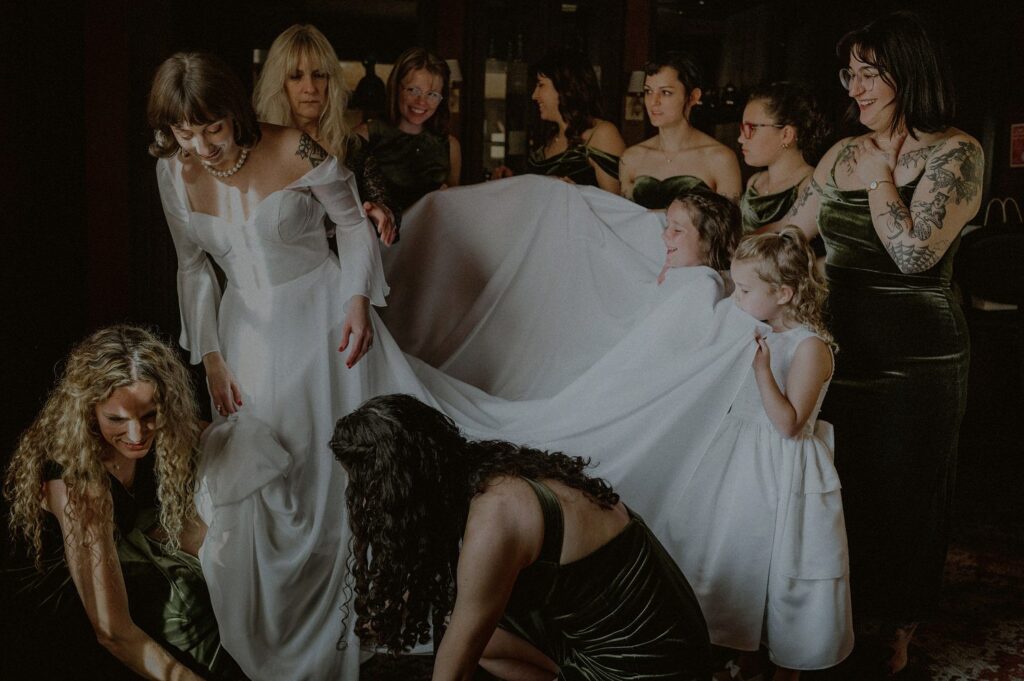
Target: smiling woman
x=890, y=204
x=109, y=465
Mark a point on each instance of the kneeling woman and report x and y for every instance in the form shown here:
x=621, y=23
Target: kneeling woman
x=112, y=456
x=554, y=577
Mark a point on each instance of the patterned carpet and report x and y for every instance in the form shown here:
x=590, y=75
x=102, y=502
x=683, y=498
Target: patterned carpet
x=978, y=634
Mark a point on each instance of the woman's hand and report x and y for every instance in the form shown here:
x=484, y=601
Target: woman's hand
x=383, y=220
x=357, y=331
x=874, y=163
x=224, y=389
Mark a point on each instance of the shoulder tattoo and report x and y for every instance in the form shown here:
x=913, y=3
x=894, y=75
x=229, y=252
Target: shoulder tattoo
x=309, y=149
x=965, y=185
x=801, y=199
x=847, y=158
x=914, y=158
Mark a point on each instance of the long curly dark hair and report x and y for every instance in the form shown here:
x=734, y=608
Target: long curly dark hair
x=411, y=477
x=579, y=97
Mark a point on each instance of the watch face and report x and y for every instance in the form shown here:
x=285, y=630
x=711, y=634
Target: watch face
x=873, y=185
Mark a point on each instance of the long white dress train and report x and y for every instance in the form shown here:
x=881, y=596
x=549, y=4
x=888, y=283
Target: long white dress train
x=275, y=553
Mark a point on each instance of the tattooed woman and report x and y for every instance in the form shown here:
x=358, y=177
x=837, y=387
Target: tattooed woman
x=253, y=196
x=890, y=204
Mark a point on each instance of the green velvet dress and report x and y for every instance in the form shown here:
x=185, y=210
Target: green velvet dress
x=653, y=193
x=896, y=402
x=624, y=611
x=574, y=163
x=167, y=595
x=762, y=209
x=411, y=165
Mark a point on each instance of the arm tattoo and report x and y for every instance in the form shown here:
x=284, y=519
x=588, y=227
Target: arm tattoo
x=847, y=158
x=801, y=199
x=963, y=187
x=928, y=215
x=915, y=157
x=897, y=215
x=309, y=149
x=912, y=259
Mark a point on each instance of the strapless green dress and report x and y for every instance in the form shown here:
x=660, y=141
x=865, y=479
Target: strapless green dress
x=624, y=611
x=653, y=193
x=896, y=402
x=574, y=163
x=411, y=165
x=762, y=209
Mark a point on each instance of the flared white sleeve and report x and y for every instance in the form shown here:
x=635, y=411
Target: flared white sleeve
x=198, y=290
x=362, y=273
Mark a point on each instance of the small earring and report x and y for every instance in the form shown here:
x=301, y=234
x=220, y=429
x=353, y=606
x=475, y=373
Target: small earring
x=785, y=145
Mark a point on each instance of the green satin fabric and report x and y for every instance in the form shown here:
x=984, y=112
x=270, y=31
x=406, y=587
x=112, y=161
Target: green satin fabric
x=896, y=402
x=412, y=165
x=653, y=193
x=574, y=163
x=759, y=210
x=624, y=611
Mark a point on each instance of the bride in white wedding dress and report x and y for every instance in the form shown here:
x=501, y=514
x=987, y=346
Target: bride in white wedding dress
x=254, y=197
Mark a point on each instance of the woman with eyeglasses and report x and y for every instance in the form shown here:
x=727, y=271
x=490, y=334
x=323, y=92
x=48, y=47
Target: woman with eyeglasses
x=680, y=156
x=412, y=148
x=781, y=131
x=302, y=86
x=890, y=204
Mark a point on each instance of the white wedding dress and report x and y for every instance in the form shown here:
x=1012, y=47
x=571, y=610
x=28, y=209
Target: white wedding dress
x=275, y=553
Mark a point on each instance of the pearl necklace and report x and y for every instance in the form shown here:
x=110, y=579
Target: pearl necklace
x=230, y=171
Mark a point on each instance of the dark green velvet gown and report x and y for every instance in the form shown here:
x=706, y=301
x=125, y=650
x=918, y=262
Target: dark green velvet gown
x=896, y=402
x=624, y=611
x=411, y=165
x=574, y=163
x=653, y=193
x=762, y=209
x=167, y=595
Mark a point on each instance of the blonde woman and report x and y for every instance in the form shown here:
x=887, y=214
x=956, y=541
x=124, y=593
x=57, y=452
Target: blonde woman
x=302, y=86
x=111, y=460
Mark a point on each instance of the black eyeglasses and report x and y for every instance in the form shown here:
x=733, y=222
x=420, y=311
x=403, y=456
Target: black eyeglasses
x=747, y=129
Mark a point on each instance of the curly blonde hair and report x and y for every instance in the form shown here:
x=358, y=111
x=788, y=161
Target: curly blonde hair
x=785, y=258
x=271, y=100
x=66, y=432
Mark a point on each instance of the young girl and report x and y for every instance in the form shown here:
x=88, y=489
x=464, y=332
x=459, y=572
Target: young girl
x=701, y=228
x=762, y=524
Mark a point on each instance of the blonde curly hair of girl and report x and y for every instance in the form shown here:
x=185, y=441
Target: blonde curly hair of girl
x=271, y=100
x=785, y=258
x=66, y=432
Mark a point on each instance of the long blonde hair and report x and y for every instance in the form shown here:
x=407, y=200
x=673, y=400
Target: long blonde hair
x=66, y=432
x=785, y=258
x=271, y=100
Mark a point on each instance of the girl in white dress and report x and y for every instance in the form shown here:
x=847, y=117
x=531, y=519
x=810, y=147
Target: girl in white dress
x=760, y=525
x=253, y=197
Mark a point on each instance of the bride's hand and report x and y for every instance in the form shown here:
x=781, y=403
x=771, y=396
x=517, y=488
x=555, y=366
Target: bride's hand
x=224, y=389
x=356, y=332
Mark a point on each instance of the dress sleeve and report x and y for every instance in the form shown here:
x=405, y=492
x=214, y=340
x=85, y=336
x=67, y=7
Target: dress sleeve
x=370, y=179
x=198, y=290
x=362, y=273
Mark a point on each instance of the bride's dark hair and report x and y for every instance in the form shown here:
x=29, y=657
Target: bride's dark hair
x=411, y=478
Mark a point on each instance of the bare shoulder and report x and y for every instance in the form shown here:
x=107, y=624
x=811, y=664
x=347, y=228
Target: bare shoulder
x=816, y=356
x=830, y=157
x=636, y=153
x=507, y=504
x=606, y=136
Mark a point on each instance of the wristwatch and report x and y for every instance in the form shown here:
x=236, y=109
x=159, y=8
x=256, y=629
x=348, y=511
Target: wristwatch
x=874, y=184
